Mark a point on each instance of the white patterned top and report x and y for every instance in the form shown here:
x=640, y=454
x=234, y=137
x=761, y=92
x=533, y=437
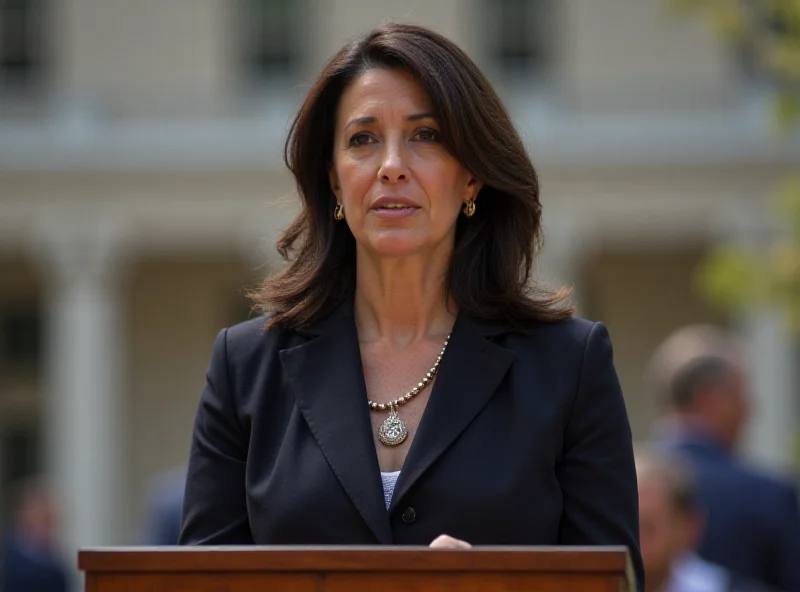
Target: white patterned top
x=389, y=481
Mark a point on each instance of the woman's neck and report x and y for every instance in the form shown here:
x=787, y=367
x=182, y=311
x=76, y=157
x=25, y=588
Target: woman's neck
x=402, y=300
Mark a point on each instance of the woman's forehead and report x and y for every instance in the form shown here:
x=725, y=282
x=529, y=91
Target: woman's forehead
x=381, y=92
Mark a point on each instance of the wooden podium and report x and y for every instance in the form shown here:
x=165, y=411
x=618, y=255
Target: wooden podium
x=357, y=569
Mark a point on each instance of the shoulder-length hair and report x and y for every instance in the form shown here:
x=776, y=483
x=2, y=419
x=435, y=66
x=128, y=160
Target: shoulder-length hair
x=494, y=249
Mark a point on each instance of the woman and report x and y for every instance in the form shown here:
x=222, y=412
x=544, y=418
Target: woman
x=408, y=382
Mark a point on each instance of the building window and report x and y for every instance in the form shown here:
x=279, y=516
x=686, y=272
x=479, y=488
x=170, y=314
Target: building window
x=20, y=41
x=20, y=339
x=269, y=37
x=20, y=453
x=519, y=34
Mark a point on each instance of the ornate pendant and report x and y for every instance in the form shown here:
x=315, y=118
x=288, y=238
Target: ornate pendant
x=393, y=429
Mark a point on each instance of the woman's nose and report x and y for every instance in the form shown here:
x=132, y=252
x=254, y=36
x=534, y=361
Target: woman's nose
x=393, y=165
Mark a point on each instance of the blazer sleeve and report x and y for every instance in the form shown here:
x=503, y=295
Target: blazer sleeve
x=215, y=504
x=597, y=472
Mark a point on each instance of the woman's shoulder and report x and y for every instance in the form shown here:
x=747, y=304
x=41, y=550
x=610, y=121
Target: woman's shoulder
x=250, y=330
x=252, y=339
x=573, y=332
x=561, y=345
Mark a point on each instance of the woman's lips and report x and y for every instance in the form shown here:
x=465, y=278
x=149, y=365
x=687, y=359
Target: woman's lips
x=402, y=212
x=394, y=207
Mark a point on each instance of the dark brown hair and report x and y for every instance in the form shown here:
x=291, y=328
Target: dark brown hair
x=697, y=375
x=494, y=250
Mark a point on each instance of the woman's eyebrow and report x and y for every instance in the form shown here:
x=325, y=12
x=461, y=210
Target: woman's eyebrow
x=371, y=120
x=360, y=121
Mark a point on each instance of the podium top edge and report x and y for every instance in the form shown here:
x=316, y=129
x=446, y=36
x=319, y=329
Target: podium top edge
x=559, y=559
x=338, y=549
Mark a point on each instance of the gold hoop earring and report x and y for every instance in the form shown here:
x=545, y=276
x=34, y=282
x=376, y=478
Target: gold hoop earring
x=469, y=208
x=338, y=213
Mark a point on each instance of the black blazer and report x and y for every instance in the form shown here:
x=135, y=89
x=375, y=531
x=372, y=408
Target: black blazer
x=525, y=441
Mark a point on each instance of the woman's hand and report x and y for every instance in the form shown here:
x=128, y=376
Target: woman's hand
x=444, y=541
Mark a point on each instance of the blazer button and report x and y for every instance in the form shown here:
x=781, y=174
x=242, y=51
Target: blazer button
x=409, y=515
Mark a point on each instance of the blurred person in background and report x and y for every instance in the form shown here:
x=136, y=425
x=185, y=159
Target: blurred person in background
x=752, y=519
x=30, y=558
x=671, y=524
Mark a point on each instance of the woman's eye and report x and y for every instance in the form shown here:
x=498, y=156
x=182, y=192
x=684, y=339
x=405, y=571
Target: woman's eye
x=359, y=139
x=427, y=135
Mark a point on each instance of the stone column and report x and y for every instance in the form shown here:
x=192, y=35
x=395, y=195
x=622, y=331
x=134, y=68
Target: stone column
x=771, y=351
x=83, y=428
x=773, y=384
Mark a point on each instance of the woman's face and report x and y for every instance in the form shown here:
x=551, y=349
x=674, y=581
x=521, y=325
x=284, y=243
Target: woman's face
x=401, y=189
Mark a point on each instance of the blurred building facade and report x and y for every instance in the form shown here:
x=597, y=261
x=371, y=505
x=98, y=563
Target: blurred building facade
x=142, y=187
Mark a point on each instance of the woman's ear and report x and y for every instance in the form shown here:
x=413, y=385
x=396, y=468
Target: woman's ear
x=333, y=179
x=474, y=187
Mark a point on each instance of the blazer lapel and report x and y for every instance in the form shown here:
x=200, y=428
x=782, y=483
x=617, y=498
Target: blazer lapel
x=328, y=381
x=470, y=372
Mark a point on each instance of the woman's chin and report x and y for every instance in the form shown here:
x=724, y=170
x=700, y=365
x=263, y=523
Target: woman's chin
x=396, y=245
